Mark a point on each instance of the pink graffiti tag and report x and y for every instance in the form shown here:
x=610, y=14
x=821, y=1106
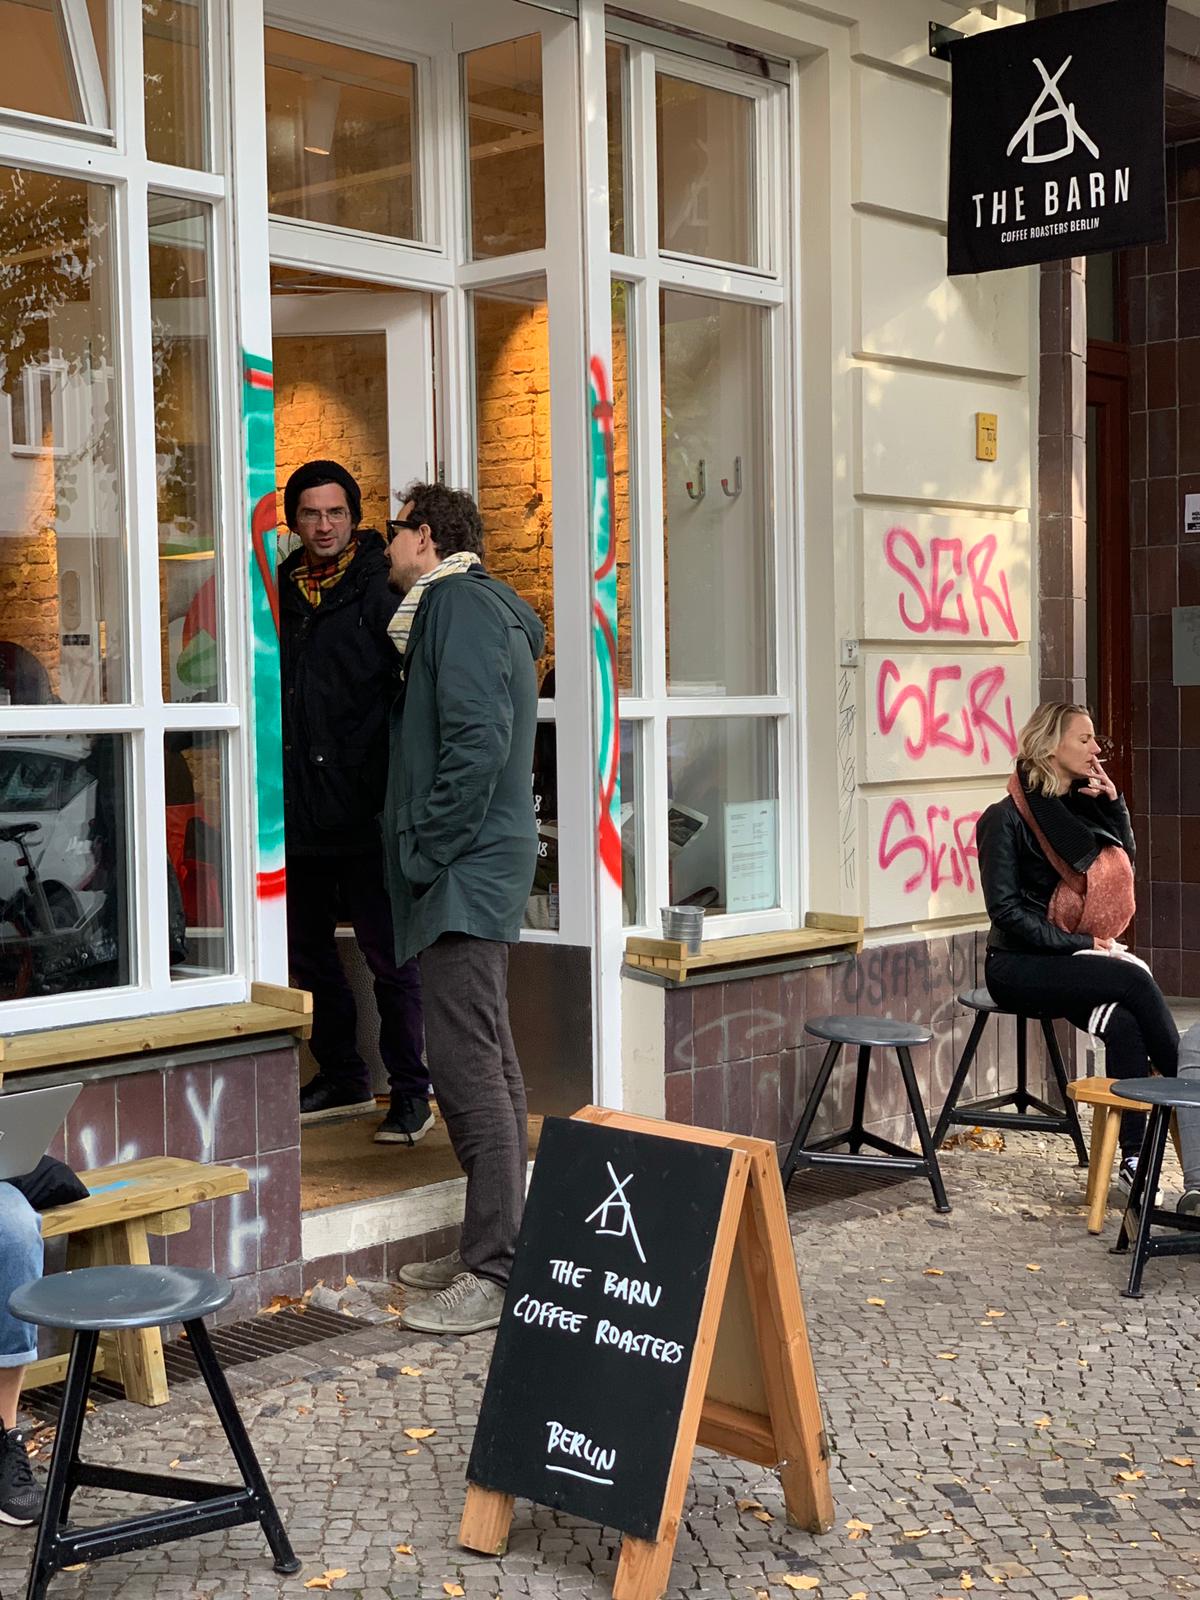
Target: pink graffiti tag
x=943, y=853
x=933, y=730
x=942, y=607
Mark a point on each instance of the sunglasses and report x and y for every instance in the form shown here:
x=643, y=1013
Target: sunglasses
x=396, y=524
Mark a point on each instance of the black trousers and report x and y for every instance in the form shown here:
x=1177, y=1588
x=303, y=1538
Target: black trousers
x=1116, y=1000
x=321, y=890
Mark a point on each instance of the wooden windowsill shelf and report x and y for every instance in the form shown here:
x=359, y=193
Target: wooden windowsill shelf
x=270, y=1009
x=670, y=958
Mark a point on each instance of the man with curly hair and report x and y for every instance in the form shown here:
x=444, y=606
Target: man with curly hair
x=460, y=837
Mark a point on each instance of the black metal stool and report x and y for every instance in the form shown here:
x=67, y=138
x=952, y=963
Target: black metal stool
x=1162, y=1095
x=867, y=1033
x=1027, y=1111
x=103, y=1298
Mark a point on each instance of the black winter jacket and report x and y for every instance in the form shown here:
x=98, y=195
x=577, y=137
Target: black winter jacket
x=1018, y=881
x=340, y=673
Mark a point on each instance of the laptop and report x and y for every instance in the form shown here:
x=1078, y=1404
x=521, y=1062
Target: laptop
x=28, y=1121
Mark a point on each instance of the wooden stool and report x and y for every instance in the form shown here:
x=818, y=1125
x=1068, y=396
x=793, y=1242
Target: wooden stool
x=1107, y=1109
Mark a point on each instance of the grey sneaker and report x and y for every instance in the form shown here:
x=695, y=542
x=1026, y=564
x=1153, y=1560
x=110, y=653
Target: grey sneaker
x=469, y=1305
x=1189, y=1203
x=439, y=1274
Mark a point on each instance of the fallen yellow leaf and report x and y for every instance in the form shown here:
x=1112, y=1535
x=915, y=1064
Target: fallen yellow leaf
x=327, y=1579
x=411, y=1372
x=413, y=1452
x=419, y=1433
x=859, y=1594
x=1042, y=1422
x=857, y=1525
x=174, y=1464
x=876, y=1301
x=749, y=1505
x=947, y=1355
x=453, y=1588
x=403, y=1549
x=762, y=1516
x=1128, y=1477
x=1032, y=1266
x=995, y=1313
x=915, y=1533
x=803, y=1580
x=303, y=1411
x=394, y=1311
x=1182, y=1461
x=966, y=1580
x=934, y=1272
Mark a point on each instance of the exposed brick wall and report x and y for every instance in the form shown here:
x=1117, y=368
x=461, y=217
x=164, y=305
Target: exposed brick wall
x=331, y=404
x=29, y=595
x=1162, y=288
x=512, y=364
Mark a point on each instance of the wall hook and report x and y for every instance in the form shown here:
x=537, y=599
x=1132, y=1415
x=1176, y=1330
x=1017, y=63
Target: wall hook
x=693, y=492
x=737, y=480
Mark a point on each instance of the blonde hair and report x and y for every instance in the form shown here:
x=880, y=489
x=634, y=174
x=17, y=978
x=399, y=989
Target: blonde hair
x=1040, y=738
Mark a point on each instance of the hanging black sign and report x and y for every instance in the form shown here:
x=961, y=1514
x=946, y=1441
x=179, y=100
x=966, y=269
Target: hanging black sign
x=1056, y=141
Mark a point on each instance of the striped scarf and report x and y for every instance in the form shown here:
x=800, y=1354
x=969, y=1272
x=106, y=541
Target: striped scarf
x=312, y=578
x=400, y=626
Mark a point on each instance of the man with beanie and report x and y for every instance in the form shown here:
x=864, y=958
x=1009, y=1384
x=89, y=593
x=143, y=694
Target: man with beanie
x=460, y=838
x=339, y=672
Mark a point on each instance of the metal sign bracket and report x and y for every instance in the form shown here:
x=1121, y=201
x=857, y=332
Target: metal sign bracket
x=943, y=39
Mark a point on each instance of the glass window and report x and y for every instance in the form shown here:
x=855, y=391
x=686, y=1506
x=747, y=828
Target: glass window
x=64, y=884
x=512, y=420
x=197, y=870
x=633, y=844
x=506, y=171
x=542, y=907
x=622, y=509
x=176, y=82
x=706, y=177
x=616, y=82
x=715, y=501
x=341, y=136
x=181, y=311
x=62, y=568
x=723, y=813
x=50, y=71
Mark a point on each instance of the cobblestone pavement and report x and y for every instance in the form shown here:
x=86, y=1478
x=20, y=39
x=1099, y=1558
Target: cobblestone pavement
x=1004, y=1422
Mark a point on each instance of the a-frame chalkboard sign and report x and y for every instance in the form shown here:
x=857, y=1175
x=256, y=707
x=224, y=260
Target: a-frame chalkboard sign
x=653, y=1305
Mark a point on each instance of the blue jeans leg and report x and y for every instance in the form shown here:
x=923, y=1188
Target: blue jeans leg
x=20, y=1263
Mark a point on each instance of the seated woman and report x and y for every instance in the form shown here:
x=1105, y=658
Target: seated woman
x=1056, y=864
x=20, y=1262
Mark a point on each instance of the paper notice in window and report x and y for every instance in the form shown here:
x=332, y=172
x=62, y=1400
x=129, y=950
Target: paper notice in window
x=751, y=856
x=1191, y=513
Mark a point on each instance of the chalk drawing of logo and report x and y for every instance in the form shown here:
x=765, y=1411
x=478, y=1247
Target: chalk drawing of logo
x=1051, y=95
x=616, y=1214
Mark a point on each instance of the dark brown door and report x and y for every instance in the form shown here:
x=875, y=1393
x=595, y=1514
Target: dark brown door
x=1109, y=655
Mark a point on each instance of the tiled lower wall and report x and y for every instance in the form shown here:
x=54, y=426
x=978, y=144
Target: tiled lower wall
x=379, y=1261
x=243, y=1110
x=738, y=1059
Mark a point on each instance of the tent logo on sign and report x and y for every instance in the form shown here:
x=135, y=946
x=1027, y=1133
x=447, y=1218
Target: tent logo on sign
x=617, y=1201
x=1060, y=108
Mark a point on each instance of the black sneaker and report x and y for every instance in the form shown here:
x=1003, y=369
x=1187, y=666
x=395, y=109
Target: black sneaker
x=322, y=1101
x=409, y=1119
x=21, y=1495
x=1126, y=1174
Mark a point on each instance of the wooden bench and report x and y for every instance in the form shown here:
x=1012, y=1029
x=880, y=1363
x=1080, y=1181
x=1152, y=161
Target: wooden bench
x=1107, y=1110
x=127, y=1203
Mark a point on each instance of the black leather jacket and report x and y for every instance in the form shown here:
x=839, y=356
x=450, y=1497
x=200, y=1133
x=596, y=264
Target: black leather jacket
x=1018, y=881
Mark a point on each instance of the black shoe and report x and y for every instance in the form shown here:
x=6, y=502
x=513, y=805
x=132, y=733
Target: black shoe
x=21, y=1495
x=322, y=1101
x=409, y=1119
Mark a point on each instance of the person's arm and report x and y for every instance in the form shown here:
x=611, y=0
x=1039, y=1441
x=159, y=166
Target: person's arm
x=996, y=838
x=472, y=668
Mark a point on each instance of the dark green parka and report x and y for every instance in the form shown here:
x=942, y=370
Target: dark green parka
x=459, y=830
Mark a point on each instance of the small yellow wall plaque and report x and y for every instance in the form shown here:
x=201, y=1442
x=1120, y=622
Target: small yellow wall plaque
x=985, y=435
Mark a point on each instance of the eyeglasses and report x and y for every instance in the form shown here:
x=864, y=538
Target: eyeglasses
x=396, y=524
x=308, y=518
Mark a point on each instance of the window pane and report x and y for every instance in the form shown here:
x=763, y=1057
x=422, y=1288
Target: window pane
x=64, y=885
x=633, y=832
x=506, y=174
x=617, y=95
x=173, y=43
x=628, y=634
x=715, y=501
x=706, y=175
x=512, y=411
x=181, y=311
x=542, y=907
x=723, y=823
x=341, y=136
x=62, y=579
x=37, y=73
x=197, y=875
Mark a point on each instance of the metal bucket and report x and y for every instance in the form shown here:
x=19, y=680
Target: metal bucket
x=685, y=923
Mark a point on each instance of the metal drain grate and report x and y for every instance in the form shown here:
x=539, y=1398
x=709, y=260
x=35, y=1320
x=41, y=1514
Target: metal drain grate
x=814, y=1187
x=236, y=1343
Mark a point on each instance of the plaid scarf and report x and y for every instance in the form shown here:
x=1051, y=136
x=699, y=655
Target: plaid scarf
x=312, y=578
x=400, y=626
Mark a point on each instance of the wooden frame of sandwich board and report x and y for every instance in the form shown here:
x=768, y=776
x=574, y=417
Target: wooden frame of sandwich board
x=751, y=1390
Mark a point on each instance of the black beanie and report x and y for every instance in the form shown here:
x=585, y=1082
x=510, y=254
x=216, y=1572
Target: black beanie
x=310, y=476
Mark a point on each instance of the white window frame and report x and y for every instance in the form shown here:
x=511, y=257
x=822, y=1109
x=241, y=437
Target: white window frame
x=145, y=719
x=648, y=271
